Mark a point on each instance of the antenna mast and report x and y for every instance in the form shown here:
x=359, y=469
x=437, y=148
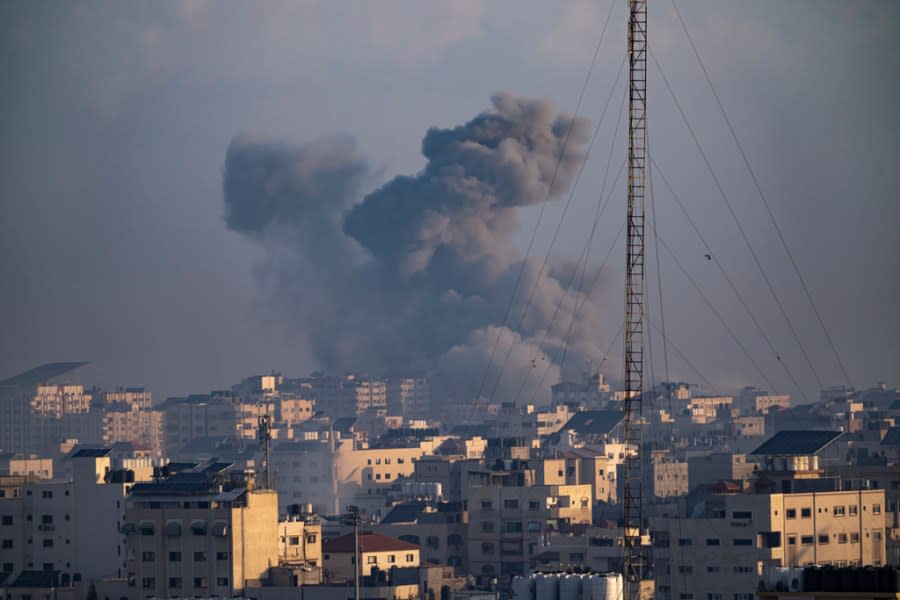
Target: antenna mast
x=634, y=292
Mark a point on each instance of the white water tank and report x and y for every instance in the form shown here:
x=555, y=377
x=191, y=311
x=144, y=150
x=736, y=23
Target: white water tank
x=619, y=586
x=546, y=587
x=523, y=588
x=570, y=587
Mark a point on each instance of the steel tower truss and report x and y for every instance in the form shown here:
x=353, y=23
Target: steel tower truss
x=634, y=292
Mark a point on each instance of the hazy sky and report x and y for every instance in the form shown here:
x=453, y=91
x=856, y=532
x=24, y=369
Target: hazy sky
x=115, y=119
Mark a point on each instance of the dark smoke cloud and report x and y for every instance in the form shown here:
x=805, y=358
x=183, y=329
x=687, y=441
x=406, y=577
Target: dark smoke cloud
x=417, y=275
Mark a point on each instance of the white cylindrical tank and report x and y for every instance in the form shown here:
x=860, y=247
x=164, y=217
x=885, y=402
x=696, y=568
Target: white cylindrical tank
x=619, y=586
x=546, y=587
x=523, y=588
x=570, y=587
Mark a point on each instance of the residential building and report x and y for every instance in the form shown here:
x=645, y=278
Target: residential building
x=199, y=533
x=409, y=396
x=376, y=551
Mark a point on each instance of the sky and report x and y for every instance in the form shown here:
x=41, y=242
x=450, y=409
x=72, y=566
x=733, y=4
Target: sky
x=118, y=119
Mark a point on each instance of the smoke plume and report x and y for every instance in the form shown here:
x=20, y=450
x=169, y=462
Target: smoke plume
x=418, y=274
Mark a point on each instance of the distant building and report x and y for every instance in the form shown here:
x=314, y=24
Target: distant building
x=376, y=551
x=409, y=396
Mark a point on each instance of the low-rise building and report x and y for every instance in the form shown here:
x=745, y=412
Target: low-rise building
x=376, y=551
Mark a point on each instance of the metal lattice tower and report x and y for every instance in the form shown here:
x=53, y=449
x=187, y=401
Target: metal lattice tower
x=634, y=291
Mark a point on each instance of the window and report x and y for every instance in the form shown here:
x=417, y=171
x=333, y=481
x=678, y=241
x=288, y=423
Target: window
x=805, y=513
x=372, y=560
x=148, y=556
x=713, y=569
x=806, y=540
x=487, y=548
x=148, y=582
x=842, y=538
x=510, y=504
x=838, y=511
x=790, y=513
x=222, y=581
x=487, y=526
x=685, y=542
x=513, y=527
x=743, y=514
x=199, y=582
x=48, y=543
x=311, y=538
x=852, y=510
x=410, y=557
x=823, y=538
x=486, y=505
x=174, y=556
x=199, y=556
x=854, y=538
x=7, y=520
x=392, y=558
x=712, y=541
x=533, y=505
x=9, y=567
x=294, y=540
x=7, y=544
x=876, y=509
x=387, y=461
x=174, y=582
x=686, y=569
x=221, y=556
x=47, y=519
x=742, y=569
x=742, y=542
x=46, y=494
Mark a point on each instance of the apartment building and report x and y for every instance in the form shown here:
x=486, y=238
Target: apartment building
x=578, y=466
x=136, y=398
x=199, y=534
x=376, y=551
x=508, y=515
x=66, y=526
x=409, y=396
x=723, y=553
x=196, y=416
x=438, y=529
x=716, y=466
x=22, y=464
x=128, y=423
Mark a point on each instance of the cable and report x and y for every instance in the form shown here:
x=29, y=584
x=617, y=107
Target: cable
x=762, y=197
x=544, y=204
x=685, y=359
x=715, y=260
x=711, y=307
x=737, y=222
x=662, y=313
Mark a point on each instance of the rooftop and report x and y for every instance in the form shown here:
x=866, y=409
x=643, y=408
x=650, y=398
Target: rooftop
x=369, y=541
x=594, y=422
x=797, y=443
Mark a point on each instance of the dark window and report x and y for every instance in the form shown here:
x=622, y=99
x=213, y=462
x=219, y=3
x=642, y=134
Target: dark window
x=148, y=582
x=199, y=582
x=712, y=541
x=805, y=513
x=823, y=538
x=47, y=519
x=510, y=504
x=743, y=514
x=222, y=581
x=175, y=557
x=685, y=542
x=46, y=494
x=48, y=543
x=513, y=527
x=791, y=513
x=148, y=556
x=174, y=582
x=743, y=542
x=221, y=556
x=311, y=538
x=770, y=539
x=199, y=556
x=7, y=520
x=807, y=540
x=7, y=544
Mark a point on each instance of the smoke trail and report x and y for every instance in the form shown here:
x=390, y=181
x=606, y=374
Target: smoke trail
x=417, y=274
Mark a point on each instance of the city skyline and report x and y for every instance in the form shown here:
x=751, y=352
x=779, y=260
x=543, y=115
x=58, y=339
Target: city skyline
x=115, y=246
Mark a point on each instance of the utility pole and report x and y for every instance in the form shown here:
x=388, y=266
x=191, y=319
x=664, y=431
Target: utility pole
x=353, y=518
x=634, y=294
x=264, y=433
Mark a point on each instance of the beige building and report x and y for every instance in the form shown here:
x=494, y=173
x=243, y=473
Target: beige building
x=376, y=551
x=509, y=514
x=300, y=547
x=198, y=534
x=134, y=398
x=724, y=553
x=579, y=466
x=21, y=464
x=142, y=427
